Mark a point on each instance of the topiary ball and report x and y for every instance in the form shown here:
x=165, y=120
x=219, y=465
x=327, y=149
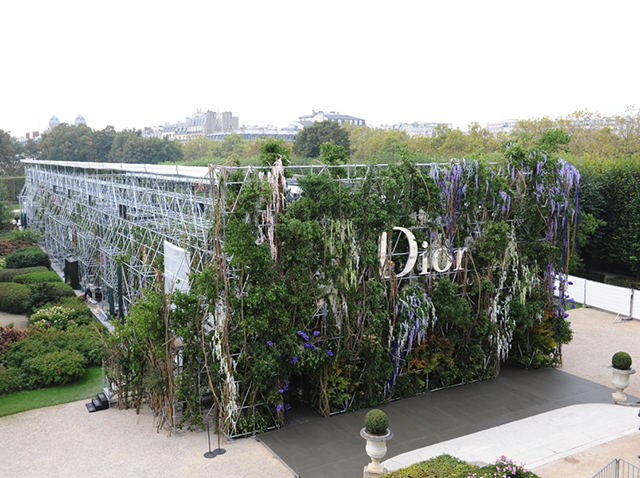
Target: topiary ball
x=376, y=422
x=621, y=361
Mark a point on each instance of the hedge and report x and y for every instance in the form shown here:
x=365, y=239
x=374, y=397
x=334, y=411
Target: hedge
x=65, y=290
x=627, y=282
x=37, y=277
x=50, y=357
x=13, y=297
x=7, y=275
x=28, y=257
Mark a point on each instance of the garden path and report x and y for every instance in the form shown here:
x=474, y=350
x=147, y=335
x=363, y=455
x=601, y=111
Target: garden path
x=18, y=321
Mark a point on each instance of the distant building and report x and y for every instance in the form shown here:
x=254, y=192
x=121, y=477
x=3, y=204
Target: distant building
x=317, y=117
x=417, y=128
x=53, y=122
x=80, y=120
x=198, y=124
x=504, y=126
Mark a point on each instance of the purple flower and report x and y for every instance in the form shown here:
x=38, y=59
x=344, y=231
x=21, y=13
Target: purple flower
x=570, y=283
x=294, y=360
x=287, y=407
x=306, y=346
x=316, y=333
x=313, y=347
x=330, y=353
x=279, y=408
x=269, y=343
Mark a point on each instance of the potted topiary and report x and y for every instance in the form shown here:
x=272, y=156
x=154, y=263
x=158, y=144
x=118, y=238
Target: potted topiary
x=377, y=433
x=621, y=368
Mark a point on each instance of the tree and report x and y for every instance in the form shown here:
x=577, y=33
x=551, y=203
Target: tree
x=273, y=149
x=9, y=163
x=331, y=153
x=68, y=143
x=102, y=143
x=130, y=147
x=197, y=148
x=5, y=212
x=308, y=142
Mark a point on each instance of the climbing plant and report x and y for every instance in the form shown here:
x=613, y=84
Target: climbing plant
x=373, y=283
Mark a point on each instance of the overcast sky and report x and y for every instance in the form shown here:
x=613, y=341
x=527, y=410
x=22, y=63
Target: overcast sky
x=134, y=63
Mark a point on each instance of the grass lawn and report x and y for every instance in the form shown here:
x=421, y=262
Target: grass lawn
x=88, y=386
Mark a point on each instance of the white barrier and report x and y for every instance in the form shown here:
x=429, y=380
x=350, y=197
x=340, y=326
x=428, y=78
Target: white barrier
x=619, y=300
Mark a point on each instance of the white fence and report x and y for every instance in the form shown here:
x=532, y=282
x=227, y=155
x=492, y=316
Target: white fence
x=619, y=300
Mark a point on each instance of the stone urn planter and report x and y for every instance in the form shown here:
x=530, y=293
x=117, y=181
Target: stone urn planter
x=377, y=434
x=621, y=373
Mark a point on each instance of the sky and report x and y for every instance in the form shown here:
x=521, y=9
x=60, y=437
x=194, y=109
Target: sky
x=134, y=63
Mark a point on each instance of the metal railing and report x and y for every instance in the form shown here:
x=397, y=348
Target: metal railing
x=619, y=468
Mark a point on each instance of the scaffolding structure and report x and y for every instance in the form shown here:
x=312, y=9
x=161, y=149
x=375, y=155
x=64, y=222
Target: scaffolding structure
x=115, y=218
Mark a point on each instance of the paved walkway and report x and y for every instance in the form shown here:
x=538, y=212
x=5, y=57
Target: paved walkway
x=537, y=440
x=333, y=446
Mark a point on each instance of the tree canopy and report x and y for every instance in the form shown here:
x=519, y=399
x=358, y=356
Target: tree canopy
x=310, y=139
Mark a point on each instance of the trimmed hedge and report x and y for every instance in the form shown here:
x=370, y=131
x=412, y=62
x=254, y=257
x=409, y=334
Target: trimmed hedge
x=594, y=276
x=14, y=297
x=28, y=257
x=7, y=275
x=65, y=290
x=627, y=282
x=37, y=277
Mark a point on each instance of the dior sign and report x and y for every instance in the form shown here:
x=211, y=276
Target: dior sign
x=437, y=259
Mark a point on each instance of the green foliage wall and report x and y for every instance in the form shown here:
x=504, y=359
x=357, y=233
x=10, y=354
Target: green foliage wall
x=610, y=202
x=297, y=307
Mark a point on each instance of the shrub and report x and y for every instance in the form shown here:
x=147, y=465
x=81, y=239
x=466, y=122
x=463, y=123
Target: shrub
x=8, y=379
x=55, y=368
x=7, y=247
x=443, y=466
x=621, y=361
x=64, y=290
x=25, y=235
x=55, y=317
x=80, y=312
x=446, y=466
x=37, y=277
x=37, y=360
x=41, y=295
x=14, y=297
x=10, y=335
x=28, y=257
x=376, y=422
x=7, y=275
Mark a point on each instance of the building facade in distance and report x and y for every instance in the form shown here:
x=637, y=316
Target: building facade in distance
x=198, y=124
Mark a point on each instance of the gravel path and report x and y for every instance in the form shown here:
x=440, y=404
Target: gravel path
x=595, y=339
x=18, y=321
x=67, y=441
